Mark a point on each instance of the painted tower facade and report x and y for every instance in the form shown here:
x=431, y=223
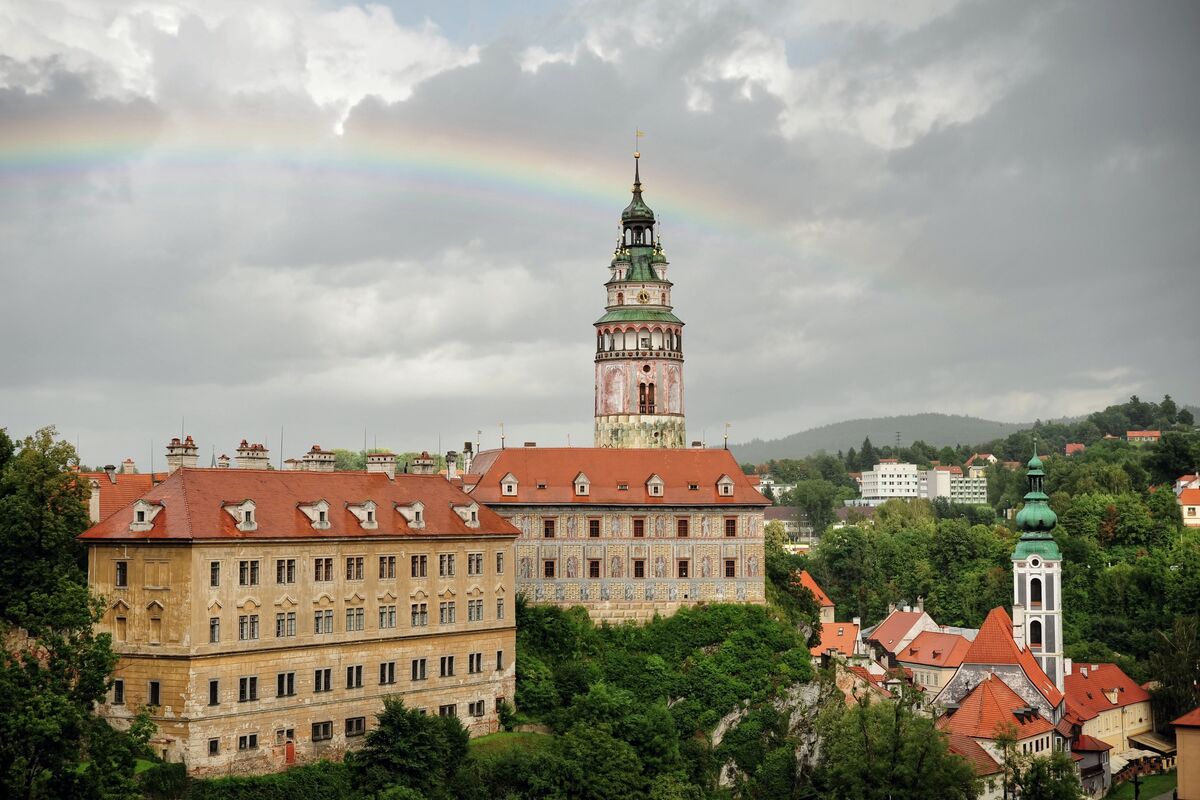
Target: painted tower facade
x=639, y=341
x=1037, y=578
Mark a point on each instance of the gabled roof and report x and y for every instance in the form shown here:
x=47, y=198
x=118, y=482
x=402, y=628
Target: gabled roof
x=973, y=752
x=1143, y=434
x=988, y=705
x=808, y=582
x=1189, y=497
x=1089, y=744
x=193, y=502
x=1087, y=694
x=935, y=649
x=995, y=645
x=839, y=636
x=128, y=487
x=1189, y=720
x=889, y=633
x=607, y=467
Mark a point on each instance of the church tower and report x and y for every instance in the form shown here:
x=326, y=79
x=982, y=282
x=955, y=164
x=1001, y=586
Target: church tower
x=1037, y=578
x=639, y=342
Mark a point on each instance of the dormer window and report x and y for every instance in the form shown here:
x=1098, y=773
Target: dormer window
x=725, y=486
x=622, y=487
x=417, y=517
x=654, y=486
x=582, y=485
x=364, y=512
x=317, y=513
x=243, y=513
x=468, y=514
x=508, y=485
x=370, y=515
x=143, y=516
x=323, y=516
x=414, y=514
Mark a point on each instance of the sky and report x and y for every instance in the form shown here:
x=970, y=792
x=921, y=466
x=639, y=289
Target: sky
x=392, y=223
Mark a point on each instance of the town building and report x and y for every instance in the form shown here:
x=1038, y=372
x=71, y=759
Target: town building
x=627, y=533
x=1143, y=437
x=1187, y=760
x=261, y=616
x=1189, y=481
x=789, y=517
x=823, y=602
x=1189, y=507
x=889, y=638
x=933, y=657
x=639, y=341
x=1109, y=704
x=890, y=480
x=949, y=482
x=1074, y=448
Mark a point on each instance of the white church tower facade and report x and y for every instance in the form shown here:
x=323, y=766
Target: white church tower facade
x=1037, y=579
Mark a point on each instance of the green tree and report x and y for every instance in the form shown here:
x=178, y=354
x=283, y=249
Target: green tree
x=814, y=499
x=43, y=508
x=411, y=749
x=886, y=751
x=867, y=458
x=1175, y=664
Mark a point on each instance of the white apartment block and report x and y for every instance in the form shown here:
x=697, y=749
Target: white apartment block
x=891, y=479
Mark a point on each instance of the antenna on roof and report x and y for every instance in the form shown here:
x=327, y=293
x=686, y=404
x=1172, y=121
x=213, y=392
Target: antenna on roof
x=501, y=435
x=726, y=435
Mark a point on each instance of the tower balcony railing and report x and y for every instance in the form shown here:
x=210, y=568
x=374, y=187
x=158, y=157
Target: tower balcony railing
x=641, y=353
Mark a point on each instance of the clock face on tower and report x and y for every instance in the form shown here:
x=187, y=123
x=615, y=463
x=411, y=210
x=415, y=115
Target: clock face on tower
x=643, y=297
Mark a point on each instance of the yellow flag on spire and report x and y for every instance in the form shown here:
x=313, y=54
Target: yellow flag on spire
x=637, y=134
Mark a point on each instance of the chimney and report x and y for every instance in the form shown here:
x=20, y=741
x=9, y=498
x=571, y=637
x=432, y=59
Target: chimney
x=921, y=604
x=318, y=460
x=382, y=462
x=451, y=465
x=111, y=471
x=182, y=454
x=1018, y=630
x=128, y=467
x=1083, y=670
x=423, y=464
x=468, y=456
x=891, y=608
x=857, y=621
x=908, y=609
x=222, y=461
x=252, y=456
x=1067, y=666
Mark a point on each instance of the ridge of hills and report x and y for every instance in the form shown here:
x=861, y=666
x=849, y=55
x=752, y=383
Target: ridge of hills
x=935, y=429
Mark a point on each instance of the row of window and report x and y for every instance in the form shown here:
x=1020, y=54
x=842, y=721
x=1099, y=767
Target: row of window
x=353, y=726
x=595, y=568
x=356, y=617
x=683, y=527
x=285, y=682
x=250, y=570
x=508, y=488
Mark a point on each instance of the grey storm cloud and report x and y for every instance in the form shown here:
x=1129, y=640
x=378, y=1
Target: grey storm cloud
x=981, y=208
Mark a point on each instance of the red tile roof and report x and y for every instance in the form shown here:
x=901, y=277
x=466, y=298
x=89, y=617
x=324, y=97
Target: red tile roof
x=129, y=487
x=1089, y=744
x=935, y=649
x=1086, y=695
x=837, y=635
x=1189, y=497
x=809, y=583
x=1189, y=720
x=894, y=628
x=973, y=752
x=995, y=645
x=1143, y=434
x=607, y=468
x=193, y=506
x=987, y=706
x=1074, y=447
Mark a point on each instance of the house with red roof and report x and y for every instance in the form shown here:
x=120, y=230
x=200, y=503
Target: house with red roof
x=1111, y=706
x=1187, y=759
x=1189, y=481
x=113, y=489
x=933, y=657
x=1143, y=437
x=806, y=580
x=627, y=533
x=898, y=628
x=839, y=637
x=1074, y=448
x=989, y=708
x=1092, y=760
x=1189, y=507
x=261, y=616
x=987, y=769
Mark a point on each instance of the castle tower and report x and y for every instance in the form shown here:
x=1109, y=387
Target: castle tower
x=639, y=342
x=1037, y=578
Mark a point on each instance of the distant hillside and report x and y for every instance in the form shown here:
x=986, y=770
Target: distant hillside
x=934, y=429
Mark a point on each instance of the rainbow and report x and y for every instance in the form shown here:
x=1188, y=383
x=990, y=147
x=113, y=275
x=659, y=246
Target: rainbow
x=460, y=167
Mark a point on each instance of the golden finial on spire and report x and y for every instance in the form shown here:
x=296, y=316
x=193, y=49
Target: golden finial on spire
x=637, y=134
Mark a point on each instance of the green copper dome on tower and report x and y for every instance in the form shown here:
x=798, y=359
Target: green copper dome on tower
x=1036, y=520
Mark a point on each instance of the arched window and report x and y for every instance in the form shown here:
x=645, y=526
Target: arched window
x=620, y=298
x=1035, y=593
x=1035, y=634
x=650, y=399
x=642, y=398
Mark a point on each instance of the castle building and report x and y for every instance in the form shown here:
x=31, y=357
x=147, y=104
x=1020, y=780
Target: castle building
x=627, y=533
x=639, y=341
x=261, y=616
